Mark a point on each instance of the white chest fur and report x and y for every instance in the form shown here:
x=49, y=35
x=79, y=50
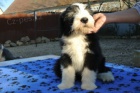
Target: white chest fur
x=75, y=47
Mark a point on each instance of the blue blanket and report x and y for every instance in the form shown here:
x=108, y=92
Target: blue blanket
x=38, y=77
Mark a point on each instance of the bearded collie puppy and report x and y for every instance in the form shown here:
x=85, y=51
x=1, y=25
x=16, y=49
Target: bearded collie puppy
x=81, y=56
x=5, y=54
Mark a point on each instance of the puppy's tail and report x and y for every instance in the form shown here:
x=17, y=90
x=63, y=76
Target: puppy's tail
x=57, y=68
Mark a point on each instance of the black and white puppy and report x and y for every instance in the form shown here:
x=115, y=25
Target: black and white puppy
x=81, y=53
x=5, y=54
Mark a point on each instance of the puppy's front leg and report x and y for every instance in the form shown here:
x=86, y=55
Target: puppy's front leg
x=68, y=77
x=88, y=79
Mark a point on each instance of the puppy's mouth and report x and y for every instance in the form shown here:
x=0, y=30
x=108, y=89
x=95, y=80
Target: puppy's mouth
x=84, y=28
x=89, y=29
x=90, y=32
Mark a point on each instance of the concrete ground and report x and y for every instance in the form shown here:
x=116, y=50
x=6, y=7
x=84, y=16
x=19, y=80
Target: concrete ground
x=120, y=51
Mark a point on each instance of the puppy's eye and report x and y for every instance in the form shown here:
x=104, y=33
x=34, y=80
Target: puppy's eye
x=73, y=8
x=87, y=7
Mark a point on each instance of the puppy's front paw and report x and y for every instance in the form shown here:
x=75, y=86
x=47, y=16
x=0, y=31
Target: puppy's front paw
x=89, y=86
x=64, y=86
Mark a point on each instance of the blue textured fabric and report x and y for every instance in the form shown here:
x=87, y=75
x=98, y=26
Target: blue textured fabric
x=38, y=77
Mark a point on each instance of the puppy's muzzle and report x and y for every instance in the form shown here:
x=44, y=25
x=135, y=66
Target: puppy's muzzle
x=84, y=20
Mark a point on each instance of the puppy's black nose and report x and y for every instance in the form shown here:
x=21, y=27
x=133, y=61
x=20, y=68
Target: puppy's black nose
x=84, y=20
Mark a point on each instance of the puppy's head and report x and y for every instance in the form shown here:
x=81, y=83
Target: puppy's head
x=77, y=18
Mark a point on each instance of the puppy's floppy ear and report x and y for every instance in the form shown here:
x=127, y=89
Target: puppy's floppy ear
x=61, y=24
x=65, y=24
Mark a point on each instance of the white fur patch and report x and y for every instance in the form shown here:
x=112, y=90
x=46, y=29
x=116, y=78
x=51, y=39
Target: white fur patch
x=76, y=48
x=106, y=77
x=68, y=78
x=88, y=79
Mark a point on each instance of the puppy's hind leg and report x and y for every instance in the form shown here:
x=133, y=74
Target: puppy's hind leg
x=68, y=78
x=106, y=76
x=105, y=73
x=88, y=79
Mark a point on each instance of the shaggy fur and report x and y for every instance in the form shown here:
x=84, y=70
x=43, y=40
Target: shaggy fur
x=5, y=54
x=81, y=53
